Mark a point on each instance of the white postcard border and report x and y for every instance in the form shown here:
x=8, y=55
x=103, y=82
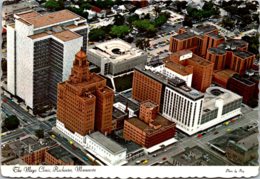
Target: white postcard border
x=45, y=171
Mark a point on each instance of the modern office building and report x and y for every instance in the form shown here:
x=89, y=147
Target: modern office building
x=184, y=105
x=40, y=52
x=116, y=57
x=84, y=102
x=150, y=128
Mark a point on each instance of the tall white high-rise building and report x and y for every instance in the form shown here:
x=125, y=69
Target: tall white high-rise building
x=40, y=53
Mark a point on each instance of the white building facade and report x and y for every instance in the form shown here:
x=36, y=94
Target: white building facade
x=40, y=53
x=108, y=151
x=185, y=112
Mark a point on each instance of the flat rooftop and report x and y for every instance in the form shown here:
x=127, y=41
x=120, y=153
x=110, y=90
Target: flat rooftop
x=120, y=98
x=159, y=120
x=65, y=35
x=60, y=153
x=107, y=143
x=239, y=134
x=216, y=50
x=196, y=156
x=116, y=50
x=183, y=36
x=117, y=114
x=149, y=104
x=224, y=75
x=215, y=36
x=174, y=83
x=202, y=29
x=232, y=44
x=199, y=60
x=214, y=93
x=243, y=54
x=178, y=68
x=243, y=80
x=39, y=20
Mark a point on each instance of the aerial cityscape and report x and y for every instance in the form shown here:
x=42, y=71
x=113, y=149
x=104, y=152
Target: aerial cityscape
x=130, y=83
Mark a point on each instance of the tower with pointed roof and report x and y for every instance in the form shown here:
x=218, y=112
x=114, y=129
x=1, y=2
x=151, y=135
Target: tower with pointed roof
x=84, y=102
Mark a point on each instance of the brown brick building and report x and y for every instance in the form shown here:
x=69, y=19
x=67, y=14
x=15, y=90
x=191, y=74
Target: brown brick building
x=218, y=57
x=184, y=41
x=197, y=39
x=84, y=102
x=221, y=77
x=243, y=87
x=146, y=88
x=241, y=61
x=150, y=129
x=202, y=69
x=58, y=156
x=36, y=157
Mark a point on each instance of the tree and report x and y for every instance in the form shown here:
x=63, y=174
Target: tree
x=132, y=18
x=253, y=43
x=119, y=31
x=228, y=23
x=180, y=5
x=144, y=25
x=142, y=43
x=11, y=122
x=97, y=34
x=187, y=22
x=160, y=20
x=52, y=5
x=39, y=133
x=119, y=20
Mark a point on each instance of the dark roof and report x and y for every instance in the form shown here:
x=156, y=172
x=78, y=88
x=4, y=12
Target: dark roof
x=124, y=100
x=60, y=153
x=215, y=36
x=117, y=114
x=233, y=44
x=216, y=50
x=243, y=80
x=183, y=36
x=243, y=54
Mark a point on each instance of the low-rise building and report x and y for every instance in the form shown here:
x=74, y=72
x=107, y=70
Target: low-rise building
x=243, y=87
x=58, y=156
x=108, y=151
x=244, y=150
x=150, y=128
x=116, y=57
x=219, y=105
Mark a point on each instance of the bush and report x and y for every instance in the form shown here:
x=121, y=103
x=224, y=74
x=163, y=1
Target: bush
x=119, y=31
x=97, y=34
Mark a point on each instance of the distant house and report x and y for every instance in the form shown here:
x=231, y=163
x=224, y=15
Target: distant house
x=119, y=9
